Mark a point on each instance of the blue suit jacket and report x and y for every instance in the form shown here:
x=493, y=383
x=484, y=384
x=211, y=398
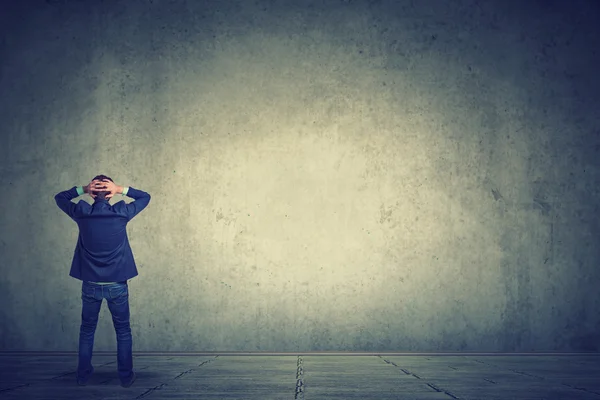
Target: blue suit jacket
x=103, y=253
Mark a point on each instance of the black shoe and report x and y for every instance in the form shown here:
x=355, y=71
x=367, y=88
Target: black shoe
x=127, y=384
x=83, y=381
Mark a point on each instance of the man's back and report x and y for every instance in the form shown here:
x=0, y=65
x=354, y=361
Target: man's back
x=103, y=253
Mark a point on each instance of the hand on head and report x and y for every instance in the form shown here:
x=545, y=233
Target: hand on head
x=105, y=185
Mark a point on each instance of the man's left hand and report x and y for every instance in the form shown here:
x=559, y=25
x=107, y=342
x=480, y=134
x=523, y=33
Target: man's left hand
x=94, y=186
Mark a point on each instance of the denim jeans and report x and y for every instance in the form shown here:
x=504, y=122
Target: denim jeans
x=117, y=297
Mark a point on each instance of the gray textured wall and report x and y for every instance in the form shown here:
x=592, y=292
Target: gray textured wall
x=325, y=175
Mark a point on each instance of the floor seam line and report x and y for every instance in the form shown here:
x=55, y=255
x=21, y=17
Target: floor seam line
x=162, y=385
x=434, y=387
x=299, y=393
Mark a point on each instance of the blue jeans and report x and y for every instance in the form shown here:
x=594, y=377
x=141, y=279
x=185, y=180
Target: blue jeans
x=117, y=297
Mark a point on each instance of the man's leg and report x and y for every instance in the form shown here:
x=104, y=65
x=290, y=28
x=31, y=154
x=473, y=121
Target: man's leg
x=118, y=304
x=89, y=320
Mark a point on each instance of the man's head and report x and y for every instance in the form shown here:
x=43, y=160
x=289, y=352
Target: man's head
x=101, y=195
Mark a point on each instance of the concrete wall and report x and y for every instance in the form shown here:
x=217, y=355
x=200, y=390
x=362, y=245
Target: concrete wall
x=325, y=175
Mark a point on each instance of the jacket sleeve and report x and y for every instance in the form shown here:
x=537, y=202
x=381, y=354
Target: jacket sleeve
x=63, y=200
x=141, y=201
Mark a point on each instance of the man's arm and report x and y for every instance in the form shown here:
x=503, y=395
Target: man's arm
x=141, y=200
x=63, y=199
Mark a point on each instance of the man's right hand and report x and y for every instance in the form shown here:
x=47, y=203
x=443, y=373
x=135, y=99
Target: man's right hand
x=111, y=187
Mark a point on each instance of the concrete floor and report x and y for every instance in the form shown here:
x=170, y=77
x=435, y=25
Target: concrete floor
x=307, y=376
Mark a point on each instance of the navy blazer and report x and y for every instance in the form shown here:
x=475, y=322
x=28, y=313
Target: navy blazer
x=102, y=253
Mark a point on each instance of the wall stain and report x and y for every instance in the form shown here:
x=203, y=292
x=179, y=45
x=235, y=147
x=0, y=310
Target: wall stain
x=544, y=206
x=385, y=214
x=496, y=194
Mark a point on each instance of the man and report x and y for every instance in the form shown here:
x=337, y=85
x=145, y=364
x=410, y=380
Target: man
x=103, y=260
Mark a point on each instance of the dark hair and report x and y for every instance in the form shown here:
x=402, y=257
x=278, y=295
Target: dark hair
x=103, y=193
